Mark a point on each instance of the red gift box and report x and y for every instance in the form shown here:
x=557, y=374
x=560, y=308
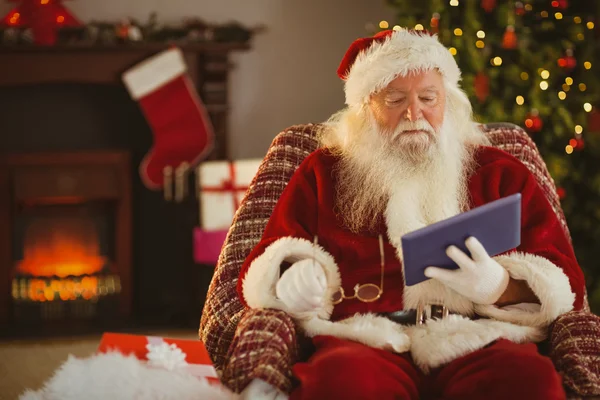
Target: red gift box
x=197, y=360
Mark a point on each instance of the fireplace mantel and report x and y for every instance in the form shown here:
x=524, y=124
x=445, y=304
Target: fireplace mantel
x=93, y=64
x=208, y=66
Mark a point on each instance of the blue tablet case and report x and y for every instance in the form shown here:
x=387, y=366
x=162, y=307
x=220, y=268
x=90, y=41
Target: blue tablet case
x=497, y=225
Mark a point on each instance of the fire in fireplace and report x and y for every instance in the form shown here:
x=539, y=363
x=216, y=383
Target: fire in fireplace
x=62, y=260
x=68, y=224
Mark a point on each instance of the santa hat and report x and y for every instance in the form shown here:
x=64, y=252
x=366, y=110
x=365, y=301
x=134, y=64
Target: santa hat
x=370, y=64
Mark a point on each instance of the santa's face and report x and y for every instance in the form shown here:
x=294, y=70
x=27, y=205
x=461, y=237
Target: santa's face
x=410, y=110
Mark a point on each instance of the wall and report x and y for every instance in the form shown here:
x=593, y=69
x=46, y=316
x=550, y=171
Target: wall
x=289, y=75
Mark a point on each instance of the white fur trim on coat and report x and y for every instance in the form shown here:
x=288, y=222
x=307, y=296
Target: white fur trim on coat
x=258, y=286
x=547, y=281
x=440, y=341
x=400, y=53
x=154, y=72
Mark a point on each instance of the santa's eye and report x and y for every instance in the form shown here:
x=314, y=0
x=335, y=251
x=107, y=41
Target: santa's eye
x=395, y=101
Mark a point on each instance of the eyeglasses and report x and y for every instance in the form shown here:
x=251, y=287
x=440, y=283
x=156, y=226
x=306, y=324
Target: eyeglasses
x=367, y=292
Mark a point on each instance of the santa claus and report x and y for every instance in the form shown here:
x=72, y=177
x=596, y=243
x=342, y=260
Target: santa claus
x=404, y=154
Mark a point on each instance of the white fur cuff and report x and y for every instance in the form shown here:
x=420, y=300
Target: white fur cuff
x=259, y=284
x=547, y=281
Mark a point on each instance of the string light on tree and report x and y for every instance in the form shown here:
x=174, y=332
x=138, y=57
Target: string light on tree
x=568, y=149
x=488, y=5
x=582, y=87
x=587, y=65
x=384, y=25
x=562, y=95
x=454, y=3
x=558, y=15
x=419, y=27
x=543, y=85
x=590, y=25
x=577, y=20
x=524, y=75
x=519, y=9
x=577, y=144
x=509, y=40
x=520, y=100
x=562, y=4
x=496, y=61
x=578, y=129
x=435, y=22
x=587, y=107
x=533, y=122
x=482, y=86
x=567, y=62
x=545, y=74
x=458, y=32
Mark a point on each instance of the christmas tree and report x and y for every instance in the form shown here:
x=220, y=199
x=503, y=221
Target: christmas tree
x=532, y=63
x=43, y=17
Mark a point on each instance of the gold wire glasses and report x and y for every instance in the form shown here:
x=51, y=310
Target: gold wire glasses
x=367, y=292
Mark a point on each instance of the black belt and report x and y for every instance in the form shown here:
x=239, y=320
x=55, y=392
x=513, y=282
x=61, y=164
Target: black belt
x=419, y=315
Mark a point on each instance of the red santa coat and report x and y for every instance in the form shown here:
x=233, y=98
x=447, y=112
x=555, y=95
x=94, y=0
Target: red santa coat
x=545, y=259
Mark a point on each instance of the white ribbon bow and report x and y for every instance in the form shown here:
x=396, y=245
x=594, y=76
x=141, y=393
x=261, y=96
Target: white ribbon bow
x=168, y=356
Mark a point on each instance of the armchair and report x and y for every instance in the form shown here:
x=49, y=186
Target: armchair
x=246, y=343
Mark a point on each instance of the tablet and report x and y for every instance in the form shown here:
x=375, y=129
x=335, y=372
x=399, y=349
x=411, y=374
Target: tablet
x=497, y=225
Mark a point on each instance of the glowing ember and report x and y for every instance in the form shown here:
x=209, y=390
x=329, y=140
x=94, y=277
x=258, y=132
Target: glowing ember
x=61, y=247
x=86, y=288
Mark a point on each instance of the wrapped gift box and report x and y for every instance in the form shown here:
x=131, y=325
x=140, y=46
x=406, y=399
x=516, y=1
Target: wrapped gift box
x=222, y=186
x=190, y=355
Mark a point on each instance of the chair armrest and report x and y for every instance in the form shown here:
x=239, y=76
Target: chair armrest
x=575, y=351
x=264, y=347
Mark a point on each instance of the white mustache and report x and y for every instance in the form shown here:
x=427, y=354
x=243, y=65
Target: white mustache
x=418, y=125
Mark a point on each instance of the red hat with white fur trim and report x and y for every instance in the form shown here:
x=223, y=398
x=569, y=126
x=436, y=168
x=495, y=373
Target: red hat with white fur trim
x=370, y=64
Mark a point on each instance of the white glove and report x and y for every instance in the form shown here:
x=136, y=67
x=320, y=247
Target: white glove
x=481, y=279
x=302, y=288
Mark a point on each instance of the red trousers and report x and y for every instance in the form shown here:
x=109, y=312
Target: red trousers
x=341, y=369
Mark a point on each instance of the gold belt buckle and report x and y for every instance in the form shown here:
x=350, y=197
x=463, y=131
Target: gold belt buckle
x=436, y=311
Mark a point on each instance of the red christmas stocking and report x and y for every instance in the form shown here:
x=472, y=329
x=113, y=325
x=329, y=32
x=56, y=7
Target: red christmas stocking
x=182, y=130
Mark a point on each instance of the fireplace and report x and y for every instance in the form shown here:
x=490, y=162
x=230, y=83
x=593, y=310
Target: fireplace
x=69, y=225
x=72, y=140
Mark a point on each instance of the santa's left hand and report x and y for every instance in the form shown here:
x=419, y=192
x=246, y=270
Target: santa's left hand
x=480, y=278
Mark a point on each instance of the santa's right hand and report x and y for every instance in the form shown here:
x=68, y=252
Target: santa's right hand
x=302, y=288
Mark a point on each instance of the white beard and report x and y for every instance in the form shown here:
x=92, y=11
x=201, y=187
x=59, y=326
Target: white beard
x=412, y=180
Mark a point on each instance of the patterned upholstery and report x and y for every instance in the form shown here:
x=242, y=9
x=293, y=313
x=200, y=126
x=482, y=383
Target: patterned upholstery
x=246, y=344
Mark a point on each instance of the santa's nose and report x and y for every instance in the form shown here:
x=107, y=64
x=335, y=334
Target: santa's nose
x=413, y=112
